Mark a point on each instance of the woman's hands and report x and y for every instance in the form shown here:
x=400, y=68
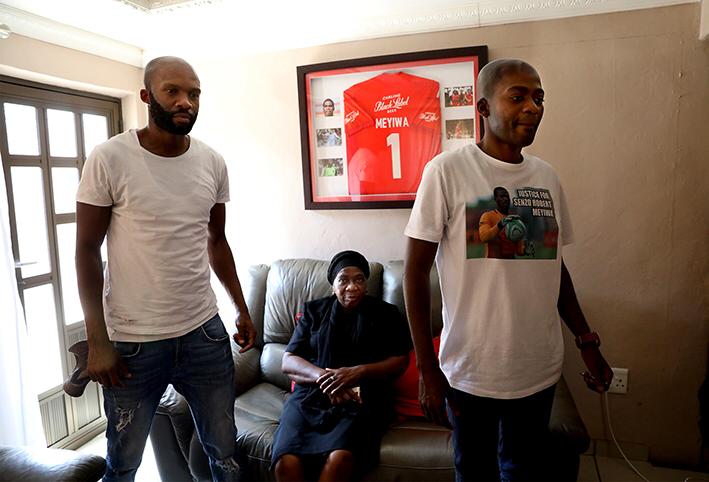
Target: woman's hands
x=345, y=395
x=337, y=383
x=340, y=384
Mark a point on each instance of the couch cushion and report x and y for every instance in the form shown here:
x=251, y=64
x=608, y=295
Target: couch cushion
x=264, y=400
x=292, y=282
x=421, y=450
x=256, y=413
x=415, y=443
x=393, y=292
x=254, y=442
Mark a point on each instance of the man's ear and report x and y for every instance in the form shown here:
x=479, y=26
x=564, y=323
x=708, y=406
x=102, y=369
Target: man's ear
x=145, y=96
x=483, y=107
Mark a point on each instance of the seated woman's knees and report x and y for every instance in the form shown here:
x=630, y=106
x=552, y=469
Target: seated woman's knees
x=288, y=464
x=341, y=457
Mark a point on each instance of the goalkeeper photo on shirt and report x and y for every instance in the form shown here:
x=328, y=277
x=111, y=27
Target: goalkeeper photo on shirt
x=506, y=227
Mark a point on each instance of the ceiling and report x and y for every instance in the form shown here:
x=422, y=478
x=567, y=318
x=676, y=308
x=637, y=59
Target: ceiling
x=132, y=31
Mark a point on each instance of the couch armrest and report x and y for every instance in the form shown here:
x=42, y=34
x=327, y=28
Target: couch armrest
x=254, y=287
x=49, y=465
x=247, y=371
x=565, y=420
x=176, y=408
x=171, y=463
x=271, y=363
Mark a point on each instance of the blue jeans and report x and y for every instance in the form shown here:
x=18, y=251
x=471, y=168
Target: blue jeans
x=497, y=439
x=200, y=367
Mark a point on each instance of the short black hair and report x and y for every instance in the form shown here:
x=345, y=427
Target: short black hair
x=499, y=189
x=491, y=74
x=156, y=63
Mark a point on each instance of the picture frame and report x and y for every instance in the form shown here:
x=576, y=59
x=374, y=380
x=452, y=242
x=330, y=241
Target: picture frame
x=368, y=126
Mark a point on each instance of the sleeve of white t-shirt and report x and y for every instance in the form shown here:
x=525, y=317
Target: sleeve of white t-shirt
x=222, y=182
x=95, y=184
x=567, y=230
x=429, y=215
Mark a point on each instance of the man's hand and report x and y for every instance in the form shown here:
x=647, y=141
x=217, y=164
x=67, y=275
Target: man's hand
x=336, y=379
x=433, y=388
x=106, y=366
x=245, y=335
x=599, y=374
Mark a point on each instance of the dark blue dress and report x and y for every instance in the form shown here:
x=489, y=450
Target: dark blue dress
x=328, y=337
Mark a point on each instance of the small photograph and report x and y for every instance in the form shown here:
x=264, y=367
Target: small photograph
x=458, y=96
x=326, y=107
x=329, y=137
x=460, y=129
x=331, y=167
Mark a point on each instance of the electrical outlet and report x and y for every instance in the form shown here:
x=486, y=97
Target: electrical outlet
x=620, y=381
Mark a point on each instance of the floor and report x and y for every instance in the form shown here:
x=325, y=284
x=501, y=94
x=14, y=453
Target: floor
x=611, y=469
x=148, y=470
x=593, y=469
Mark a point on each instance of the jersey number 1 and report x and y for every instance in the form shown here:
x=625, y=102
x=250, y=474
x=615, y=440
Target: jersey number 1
x=393, y=142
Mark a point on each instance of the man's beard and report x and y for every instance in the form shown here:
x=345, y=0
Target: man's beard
x=163, y=118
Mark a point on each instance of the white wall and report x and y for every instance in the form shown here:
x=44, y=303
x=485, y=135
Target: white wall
x=249, y=112
x=38, y=61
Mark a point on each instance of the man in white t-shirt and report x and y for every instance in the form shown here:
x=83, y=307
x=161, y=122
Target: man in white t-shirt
x=158, y=196
x=501, y=348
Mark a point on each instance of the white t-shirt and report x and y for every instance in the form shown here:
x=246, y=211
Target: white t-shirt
x=157, y=279
x=501, y=330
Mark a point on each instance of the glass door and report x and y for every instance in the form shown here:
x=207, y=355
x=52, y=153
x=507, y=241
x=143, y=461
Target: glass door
x=45, y=135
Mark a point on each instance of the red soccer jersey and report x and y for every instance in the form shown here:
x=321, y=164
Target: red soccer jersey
x=393, y=128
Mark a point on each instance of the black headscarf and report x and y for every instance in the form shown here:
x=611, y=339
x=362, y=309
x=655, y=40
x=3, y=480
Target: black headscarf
x=344, y=259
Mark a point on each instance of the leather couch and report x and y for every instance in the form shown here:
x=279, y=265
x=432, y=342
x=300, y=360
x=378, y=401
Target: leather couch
x=413, y=450
x=20, y=464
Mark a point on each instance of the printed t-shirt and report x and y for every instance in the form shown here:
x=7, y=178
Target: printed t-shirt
x=501, y=333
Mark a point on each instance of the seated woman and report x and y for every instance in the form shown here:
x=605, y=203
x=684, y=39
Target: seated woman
x=343, y=356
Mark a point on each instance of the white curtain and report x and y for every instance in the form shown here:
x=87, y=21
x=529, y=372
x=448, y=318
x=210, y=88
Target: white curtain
x=20, y=421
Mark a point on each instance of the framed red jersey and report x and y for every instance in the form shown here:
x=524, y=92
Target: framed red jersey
x=393, y=128
x=369, y=126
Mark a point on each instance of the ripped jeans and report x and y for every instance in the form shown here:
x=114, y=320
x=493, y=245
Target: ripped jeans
x=200, y=367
